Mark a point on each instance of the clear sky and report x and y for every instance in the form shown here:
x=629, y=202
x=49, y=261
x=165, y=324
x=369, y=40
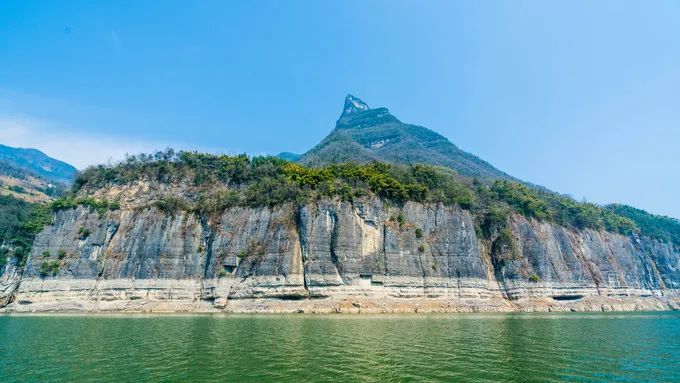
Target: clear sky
x=580, y=96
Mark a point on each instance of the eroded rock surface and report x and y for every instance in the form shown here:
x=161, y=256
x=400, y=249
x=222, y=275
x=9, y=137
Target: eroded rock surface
x=333, y=256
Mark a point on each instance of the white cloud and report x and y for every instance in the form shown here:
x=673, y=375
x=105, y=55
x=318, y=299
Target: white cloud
x=78, y=148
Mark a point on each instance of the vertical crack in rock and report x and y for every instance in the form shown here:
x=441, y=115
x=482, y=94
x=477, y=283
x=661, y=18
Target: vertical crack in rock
x=186, y=249
x=301, y=229
x=333, y=245
x=164, y=233
x=111, y=231
x=448, y=255
x=422, y=271
x=207, y=239
x=384, y=246
x=275, y=227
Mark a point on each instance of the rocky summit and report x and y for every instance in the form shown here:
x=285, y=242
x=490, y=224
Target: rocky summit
x=188, y=232
x=365, y=134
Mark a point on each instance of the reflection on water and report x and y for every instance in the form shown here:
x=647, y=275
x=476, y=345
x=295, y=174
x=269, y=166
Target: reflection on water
x=479, y=348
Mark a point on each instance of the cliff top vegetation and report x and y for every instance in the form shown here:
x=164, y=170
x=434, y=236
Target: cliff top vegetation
x=270, y=181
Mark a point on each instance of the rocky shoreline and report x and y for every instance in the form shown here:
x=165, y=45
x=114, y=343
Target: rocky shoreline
x=153, y=296
x=354, y=305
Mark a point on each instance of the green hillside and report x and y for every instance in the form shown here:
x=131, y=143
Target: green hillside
x=363, y=134
x=38, y=163
x=663, y=228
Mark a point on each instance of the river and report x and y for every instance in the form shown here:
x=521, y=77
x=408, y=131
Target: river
x=602, y=347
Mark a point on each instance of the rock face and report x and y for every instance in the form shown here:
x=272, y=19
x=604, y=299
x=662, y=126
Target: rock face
x=326, y=255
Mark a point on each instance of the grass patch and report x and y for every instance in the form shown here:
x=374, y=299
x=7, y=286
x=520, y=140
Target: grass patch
x=49, y=268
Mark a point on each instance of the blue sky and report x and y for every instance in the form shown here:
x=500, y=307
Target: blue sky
x=582, y=97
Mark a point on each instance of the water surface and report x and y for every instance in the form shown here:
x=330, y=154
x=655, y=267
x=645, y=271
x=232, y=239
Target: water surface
x=292, y=348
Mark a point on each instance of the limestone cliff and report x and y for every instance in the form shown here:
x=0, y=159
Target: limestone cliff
x=332, y=256
x=172, y=231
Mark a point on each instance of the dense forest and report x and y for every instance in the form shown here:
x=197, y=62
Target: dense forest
x=663, y=228
x=268, y=181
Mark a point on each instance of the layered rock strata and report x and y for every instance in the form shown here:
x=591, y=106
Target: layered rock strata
x=332, y=256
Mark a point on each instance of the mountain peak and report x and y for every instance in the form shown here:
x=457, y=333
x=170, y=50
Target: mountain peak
x=353, y=105
x=357, y=114
x=364, y=134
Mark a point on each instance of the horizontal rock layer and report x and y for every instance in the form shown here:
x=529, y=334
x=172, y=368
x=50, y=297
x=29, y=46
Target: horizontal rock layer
x=322, y=254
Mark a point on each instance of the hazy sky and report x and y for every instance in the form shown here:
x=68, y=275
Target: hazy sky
x=582, y=97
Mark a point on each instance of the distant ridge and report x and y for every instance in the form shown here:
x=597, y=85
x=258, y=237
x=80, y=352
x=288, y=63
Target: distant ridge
x=38, y=163
x=364, y=134
x=289, y=156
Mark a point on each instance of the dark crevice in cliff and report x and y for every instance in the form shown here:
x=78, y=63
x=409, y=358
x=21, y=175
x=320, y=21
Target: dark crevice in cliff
x=207, y=239
x=494, y=249
x=423, y=273
x=159, y=252
x=300, y=228
x=186, y=254
x=135, y=268
x=494, y=238
x=500, y=278
x=384, y=247
x=111, y=231
x=333, y=244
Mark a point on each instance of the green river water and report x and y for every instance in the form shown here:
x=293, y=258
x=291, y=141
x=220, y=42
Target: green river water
x=619, y=347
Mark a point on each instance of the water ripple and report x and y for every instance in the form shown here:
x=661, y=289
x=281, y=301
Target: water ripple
x=294, y=348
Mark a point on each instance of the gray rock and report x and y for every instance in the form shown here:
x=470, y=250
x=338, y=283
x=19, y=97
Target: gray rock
x=327, y=249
